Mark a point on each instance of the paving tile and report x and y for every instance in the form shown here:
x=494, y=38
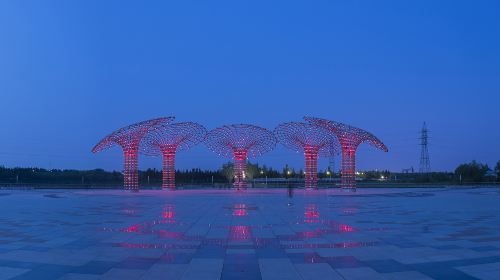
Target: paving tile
x=204, y=269
x=123, y=274
x=241, y=266
x=76, y=276
x=387, y=266
x=45, y=272
x=345, y=262
x=441, y=271
x=482, y=271
x=10, y=272
x=361, y=273
x=277, y=269
x=388, y=233
x=406, y=275
x=137, y=263
x=317, y=271
x=94, y=267
x=165, y=271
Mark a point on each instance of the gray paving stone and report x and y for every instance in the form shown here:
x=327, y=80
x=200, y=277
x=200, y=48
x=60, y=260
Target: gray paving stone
x=317, y=271
x=10, y=272
x=278, y=269
x=204, y=269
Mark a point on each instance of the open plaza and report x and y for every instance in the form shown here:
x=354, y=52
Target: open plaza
x=438, y=233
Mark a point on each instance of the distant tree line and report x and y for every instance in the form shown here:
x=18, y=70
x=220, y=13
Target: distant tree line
x=477, y=172
x=472, y=172
x=57, y=176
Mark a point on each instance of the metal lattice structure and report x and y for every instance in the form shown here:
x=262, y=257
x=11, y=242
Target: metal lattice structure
x=129, y=139
x=349, y=138
x=313, y=141
x=240, y=141
x=166, y=140
x=425, y=163
x=333, y=151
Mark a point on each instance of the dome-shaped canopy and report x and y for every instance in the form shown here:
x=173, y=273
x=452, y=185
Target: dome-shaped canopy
x=130, y=136
x=350, y=134
x=175, y=136
x=299, y=136
x=227, y=139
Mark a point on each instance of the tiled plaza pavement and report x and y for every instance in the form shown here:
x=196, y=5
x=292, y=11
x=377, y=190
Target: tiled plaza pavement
x=255, y=234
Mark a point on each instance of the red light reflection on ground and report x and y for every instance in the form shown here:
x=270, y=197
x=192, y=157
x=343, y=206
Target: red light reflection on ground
x=240, y=233
x=329, y=245
x=153, y=246
x=130, y=211
x=134, y=228
x=349, y=210
x=311, y=214
x=169, y=234
x=345, y=228
x=240, y=210
x=169, y=213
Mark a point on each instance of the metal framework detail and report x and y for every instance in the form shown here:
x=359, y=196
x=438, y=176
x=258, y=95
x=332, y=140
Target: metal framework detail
x=129, y=139
x=166, y=140
x=425, y=163
x=313, y=141
x=349, y=138
x=240, y=141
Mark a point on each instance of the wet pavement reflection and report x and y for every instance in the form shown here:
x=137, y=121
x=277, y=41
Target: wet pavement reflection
x=251, y=234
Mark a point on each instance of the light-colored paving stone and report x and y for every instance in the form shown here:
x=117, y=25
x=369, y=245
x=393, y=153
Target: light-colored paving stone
x=165, y=271
x=10, y=272
x=406, y=275
x=317, y=271
x=362, y=273
x=209, y=269
x=277, y=269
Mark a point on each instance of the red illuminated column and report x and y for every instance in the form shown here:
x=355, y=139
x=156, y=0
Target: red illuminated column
x=348, y=167
x=240, y=166
x=130, y=169
x=311, y=166
x=168, y=171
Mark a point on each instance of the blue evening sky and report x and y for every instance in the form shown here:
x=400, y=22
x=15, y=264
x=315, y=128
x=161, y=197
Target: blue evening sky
x=73, y=71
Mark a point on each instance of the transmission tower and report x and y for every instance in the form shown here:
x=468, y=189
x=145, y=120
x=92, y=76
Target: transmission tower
x=425, y=163
x=331, y=163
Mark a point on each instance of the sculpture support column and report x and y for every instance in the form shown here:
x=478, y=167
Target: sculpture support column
x=131, y=169
x=348, y=167
x=168, y=170
x=311, y=167
x=240, y=167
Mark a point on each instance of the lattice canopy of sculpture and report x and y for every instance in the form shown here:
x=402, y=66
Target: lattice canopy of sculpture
x=349, y=138
x=166, y=140
x=129, y=139
x=311, y=140
x=240, y=141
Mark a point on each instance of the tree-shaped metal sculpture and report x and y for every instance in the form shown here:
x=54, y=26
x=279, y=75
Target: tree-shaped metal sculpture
x=166, y=140
x=240, y=141
x=349, y=138
x=129, y=139
x=311, y=140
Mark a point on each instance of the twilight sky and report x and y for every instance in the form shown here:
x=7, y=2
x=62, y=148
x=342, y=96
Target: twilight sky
x=73, y=71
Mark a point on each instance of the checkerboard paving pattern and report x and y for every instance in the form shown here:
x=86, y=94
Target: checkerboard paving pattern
x=264, y=234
